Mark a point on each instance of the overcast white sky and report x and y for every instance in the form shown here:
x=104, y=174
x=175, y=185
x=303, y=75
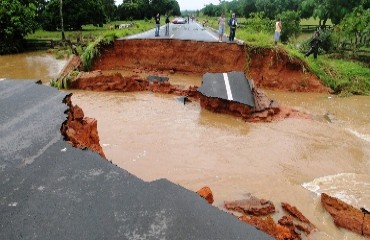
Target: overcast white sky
x=195, y=4
x=189, y=4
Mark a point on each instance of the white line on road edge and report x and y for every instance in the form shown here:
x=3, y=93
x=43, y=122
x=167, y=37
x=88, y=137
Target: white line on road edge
x=228, y=89
x=210, y=34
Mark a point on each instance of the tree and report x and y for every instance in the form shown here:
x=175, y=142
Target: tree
x=211, y=10
x=272, y=8
x=291, y=27
x=355, y=28
x=248, y=7
x=110, y=9
x=61, y=19
x=173, y=8
x=139, y=9
x=75, y=14
x=334, y=10
x=17, y=19
x=268, y=7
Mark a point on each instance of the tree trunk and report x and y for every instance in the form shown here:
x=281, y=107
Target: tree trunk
x=61, y=20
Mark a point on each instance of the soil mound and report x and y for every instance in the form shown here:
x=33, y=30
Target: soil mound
x=271, y=68
x=176, y=55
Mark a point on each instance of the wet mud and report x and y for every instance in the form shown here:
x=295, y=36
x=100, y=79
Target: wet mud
x=80, y=131
x=271, y=68
x=268, y=68
x=174, y=55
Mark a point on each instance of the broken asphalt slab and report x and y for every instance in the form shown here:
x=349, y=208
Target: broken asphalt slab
x=51, y=190
x=231, y=86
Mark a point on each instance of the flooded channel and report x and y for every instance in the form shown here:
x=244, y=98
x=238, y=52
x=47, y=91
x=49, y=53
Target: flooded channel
x=33, y=65
x=155, y=136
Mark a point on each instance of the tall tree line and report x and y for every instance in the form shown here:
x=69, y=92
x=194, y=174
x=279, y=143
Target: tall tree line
x=141, y=9
x=351, y=17
x=21, y=17
x=335, y=10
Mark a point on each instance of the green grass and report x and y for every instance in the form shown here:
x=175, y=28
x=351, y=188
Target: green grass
x=260, y=39
x=90, y=32
x=313, y=21
x=344, y=77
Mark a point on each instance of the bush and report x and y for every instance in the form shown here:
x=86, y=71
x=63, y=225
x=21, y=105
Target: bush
x=327, y=43
x=291, y=24
x=258, y=23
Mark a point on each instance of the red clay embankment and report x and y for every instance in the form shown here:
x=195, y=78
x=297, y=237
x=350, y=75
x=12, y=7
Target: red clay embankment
x=271, y=68
x=176, y=55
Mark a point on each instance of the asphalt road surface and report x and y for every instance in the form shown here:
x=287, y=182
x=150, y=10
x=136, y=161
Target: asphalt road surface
x=188, y=31
x=51, y=190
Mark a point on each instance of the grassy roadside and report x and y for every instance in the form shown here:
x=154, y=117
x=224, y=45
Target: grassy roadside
x=345, y=77
x=88, y=40
x=90, y=32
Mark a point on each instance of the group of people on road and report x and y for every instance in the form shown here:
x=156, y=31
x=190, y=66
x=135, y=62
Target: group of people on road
x=158, y=25
x=315, y=42
x=233, y=24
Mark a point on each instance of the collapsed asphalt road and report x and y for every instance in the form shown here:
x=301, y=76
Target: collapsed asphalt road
x=189, y=31
x=50, y=190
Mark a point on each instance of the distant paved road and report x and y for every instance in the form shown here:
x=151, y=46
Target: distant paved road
x=191, y=31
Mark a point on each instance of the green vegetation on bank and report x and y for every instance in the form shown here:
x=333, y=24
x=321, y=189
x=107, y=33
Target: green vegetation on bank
x=18, y=18
x=345, y=76
x=91, y=32
x=343, y=61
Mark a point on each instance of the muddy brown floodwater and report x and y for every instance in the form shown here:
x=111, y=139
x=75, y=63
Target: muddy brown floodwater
x=33, y=65
x=155, y=136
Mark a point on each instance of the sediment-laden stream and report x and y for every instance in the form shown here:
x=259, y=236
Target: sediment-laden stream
x=155, y=136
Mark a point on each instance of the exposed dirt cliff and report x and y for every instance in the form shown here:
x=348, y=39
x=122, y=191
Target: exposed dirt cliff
x=80, y=131
x=271, y=68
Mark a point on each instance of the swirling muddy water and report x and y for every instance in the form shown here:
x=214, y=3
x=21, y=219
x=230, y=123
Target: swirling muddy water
x=33, y=65
x=156, y=136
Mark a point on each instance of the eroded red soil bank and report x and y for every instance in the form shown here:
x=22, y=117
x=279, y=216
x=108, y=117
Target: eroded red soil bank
x=266, y=110
x=80, y=131
x=273, y=68
x=176, y=55
x=268, y=67
x=293, y=224
x=259, y=213
x=346, y=216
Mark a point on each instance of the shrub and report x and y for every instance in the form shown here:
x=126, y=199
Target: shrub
x=290, y=21
x=258, y=23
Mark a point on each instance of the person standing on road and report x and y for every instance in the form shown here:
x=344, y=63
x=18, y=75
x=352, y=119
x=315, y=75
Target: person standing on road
x=167, y=25
x=315, y=44
x=233, y=23
x=221, y=26
x=157, y=24
x=278, y=27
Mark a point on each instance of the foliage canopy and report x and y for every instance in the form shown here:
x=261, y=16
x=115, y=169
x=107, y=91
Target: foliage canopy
x=17, y=19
